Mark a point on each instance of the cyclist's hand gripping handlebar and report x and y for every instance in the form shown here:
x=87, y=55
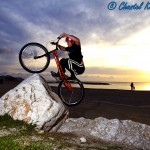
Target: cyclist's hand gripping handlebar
x=59, y=37
x=53, y=43
x=56, y=43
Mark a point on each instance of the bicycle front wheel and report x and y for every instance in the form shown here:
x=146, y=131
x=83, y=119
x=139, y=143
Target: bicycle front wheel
x=27, y=58
x=73, y=97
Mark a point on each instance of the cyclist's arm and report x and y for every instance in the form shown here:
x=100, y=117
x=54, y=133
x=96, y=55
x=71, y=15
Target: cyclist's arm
x=75, y=39
x=62, y=48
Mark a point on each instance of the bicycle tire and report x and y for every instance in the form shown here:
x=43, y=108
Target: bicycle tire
x=68, y=97
x=27, y=61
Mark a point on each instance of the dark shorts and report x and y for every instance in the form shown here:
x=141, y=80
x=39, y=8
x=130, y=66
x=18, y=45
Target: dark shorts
x=71, y=65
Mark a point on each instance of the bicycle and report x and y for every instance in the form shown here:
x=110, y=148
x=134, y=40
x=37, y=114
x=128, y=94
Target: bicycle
x=35, y=58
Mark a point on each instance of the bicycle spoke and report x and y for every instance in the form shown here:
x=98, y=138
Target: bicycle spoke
x=28, y=61
x=71, y=97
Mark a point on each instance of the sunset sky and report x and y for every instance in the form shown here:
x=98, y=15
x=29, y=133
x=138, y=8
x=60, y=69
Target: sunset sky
x=115, y=43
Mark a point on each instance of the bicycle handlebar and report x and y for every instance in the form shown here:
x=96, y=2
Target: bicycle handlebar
x=53, y=43
x=56, y=43
x=59, y=37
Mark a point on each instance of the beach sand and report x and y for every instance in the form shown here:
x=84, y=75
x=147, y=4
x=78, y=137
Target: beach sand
x=114, y=104
x=111, y=104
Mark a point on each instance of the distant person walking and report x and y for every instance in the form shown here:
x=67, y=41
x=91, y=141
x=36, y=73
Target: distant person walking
x=132, y=86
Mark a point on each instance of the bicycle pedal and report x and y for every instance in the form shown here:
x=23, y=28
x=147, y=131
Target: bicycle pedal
x=54, y=75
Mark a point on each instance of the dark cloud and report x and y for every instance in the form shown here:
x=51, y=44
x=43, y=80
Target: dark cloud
x=4, y=51
x=8, y=58
x=10, y=31
x=78, y=17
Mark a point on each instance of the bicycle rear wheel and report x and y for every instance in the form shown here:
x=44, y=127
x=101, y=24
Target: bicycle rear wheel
x=27, y=60
x=71, y=97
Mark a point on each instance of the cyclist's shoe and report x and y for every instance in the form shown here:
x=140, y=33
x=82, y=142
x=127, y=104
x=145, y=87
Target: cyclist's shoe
x=55, y=75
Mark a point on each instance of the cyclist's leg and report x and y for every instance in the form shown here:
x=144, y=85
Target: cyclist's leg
x=72, y=66
x=75, y=68
x=65, y=64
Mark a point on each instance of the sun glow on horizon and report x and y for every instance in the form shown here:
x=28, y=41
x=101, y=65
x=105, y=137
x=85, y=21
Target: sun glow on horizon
x=133, y=52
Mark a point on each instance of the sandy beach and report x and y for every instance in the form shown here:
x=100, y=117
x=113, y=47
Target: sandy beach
x=111, y=104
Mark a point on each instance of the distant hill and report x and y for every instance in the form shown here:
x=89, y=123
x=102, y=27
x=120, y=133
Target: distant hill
x=96, y=83
x=9, y=78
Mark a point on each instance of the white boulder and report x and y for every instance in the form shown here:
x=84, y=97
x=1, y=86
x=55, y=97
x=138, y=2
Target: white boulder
x=35, y=103
x=125, y=132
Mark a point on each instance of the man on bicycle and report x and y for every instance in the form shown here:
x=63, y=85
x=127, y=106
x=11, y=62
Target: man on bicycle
x=74, y=63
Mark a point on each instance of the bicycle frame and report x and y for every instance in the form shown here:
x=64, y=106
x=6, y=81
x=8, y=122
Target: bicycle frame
x=62, y=74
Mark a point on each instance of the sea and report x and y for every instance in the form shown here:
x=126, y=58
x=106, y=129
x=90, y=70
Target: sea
x=140, y=86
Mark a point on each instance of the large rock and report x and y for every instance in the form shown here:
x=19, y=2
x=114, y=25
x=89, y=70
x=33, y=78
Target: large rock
x=125, y=132
x=34, y=102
